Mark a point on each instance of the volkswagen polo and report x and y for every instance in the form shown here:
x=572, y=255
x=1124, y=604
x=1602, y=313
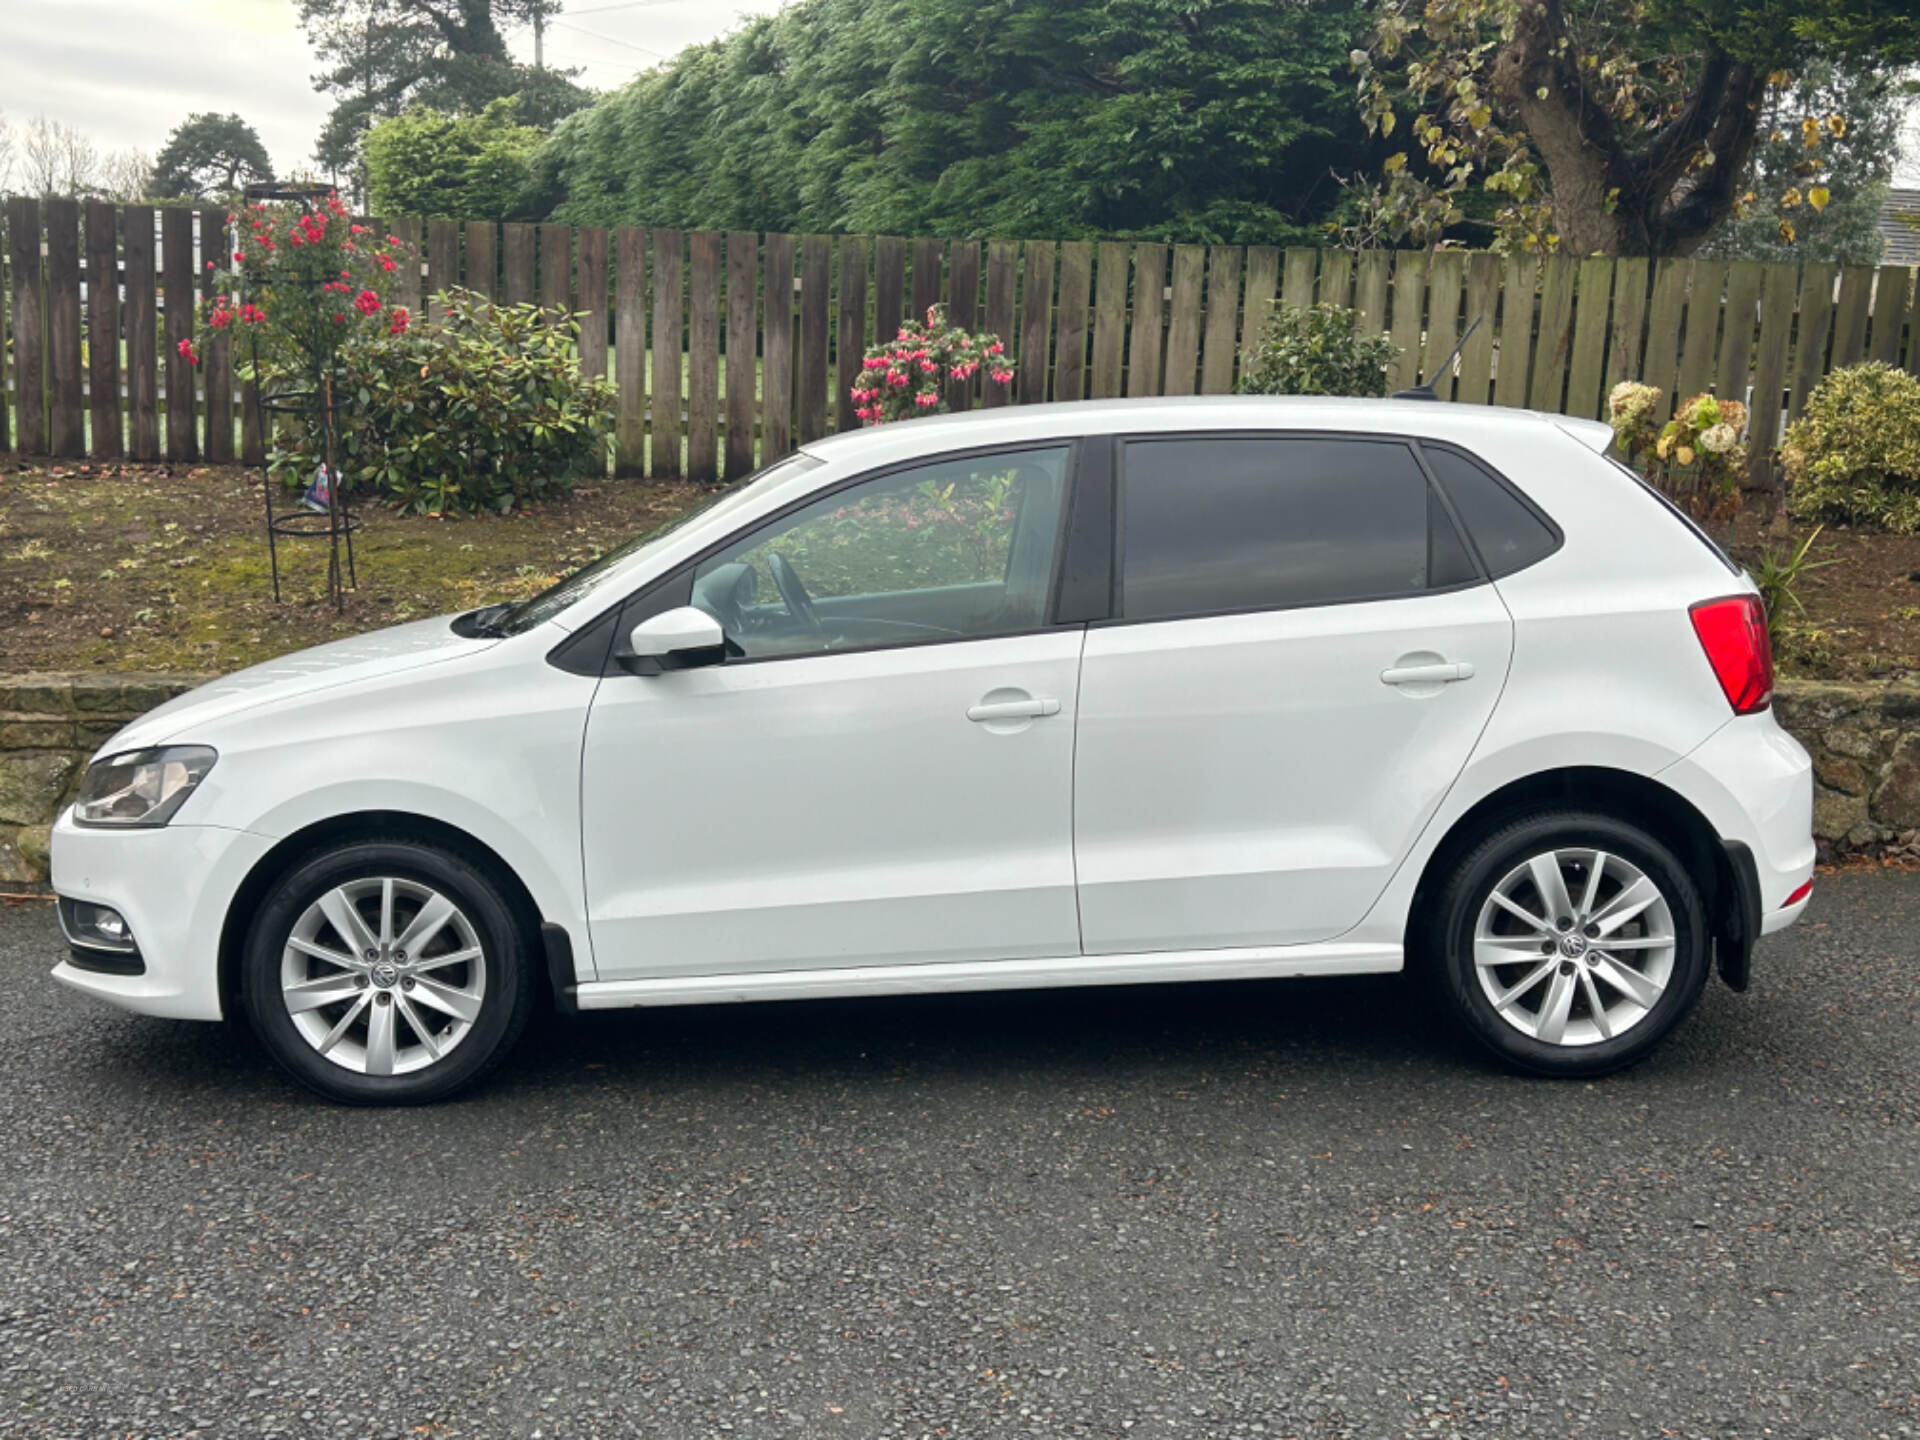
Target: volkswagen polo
x=1063, y=695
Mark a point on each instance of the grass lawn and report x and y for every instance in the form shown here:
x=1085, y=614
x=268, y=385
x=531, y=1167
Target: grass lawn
x=142, y=567
x=136, y=567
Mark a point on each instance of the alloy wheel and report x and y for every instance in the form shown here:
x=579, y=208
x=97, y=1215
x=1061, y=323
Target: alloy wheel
x=383, y=975
x=1574, y=947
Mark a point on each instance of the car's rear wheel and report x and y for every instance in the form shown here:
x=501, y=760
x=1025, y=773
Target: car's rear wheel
x=387, y=972
x=1571, y=944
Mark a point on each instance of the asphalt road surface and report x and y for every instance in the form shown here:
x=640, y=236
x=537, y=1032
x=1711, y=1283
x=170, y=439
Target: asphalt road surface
x=1286, y=1209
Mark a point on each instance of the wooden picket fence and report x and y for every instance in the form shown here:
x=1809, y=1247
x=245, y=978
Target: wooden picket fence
x=730, y=349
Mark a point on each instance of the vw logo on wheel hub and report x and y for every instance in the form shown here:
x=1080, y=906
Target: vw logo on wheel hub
x=1573, y=945
x=386, y=974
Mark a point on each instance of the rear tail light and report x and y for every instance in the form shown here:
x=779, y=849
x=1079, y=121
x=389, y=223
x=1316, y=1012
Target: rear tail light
x=1733, y=632
x=1798, y=895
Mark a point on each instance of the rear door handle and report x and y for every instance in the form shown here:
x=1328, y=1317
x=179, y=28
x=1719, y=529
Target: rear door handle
x=1441, y=674
x=1030, y=709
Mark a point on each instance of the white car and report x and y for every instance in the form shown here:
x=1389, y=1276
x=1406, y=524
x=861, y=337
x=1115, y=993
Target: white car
x=1062, y=695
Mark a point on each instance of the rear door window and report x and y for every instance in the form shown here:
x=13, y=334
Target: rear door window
x=1227, y=523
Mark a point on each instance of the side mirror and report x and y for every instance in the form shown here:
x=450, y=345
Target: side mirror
x=682, y=639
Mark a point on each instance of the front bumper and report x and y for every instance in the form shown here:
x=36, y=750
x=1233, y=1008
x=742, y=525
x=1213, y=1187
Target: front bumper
x=174, y=886
x=1754, y=783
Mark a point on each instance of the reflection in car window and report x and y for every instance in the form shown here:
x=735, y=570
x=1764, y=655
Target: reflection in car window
x=1220, y=524
x=583, y=581
x=958, y=548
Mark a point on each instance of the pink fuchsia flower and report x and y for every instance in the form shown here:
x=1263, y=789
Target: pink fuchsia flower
x=1001, y=377
x=996, y=348
x=926, y=400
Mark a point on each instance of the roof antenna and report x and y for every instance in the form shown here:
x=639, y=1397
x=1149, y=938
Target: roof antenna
x=1424, y=390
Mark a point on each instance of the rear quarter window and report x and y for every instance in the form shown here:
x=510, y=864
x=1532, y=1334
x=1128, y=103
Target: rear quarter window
x=1506, y=529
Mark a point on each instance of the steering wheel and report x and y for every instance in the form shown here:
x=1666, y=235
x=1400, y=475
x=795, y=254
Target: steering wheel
x=787, y=581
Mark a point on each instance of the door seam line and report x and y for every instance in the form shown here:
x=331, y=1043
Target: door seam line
x=1073, y=790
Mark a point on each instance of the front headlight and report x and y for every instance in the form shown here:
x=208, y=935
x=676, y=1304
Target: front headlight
x=141, y=787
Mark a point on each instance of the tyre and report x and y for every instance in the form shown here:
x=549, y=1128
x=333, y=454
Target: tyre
x=1570, y=944
x=387, y=972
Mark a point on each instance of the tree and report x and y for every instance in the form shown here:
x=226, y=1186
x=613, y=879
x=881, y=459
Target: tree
x=385, y=56
x=7, y=147
x=57, y=159
x=1811, y=193
x=210, y=155
x=468, y=167
x=126, y=177
x=1171, y=119
x=1619, y=127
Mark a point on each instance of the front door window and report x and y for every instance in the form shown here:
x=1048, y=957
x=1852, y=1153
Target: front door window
x=958, y=549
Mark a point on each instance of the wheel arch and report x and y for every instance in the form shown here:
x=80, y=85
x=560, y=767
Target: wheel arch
x=1626, y=796
x=395, y=824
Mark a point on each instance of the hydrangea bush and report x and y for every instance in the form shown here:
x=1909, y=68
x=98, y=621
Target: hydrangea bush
x=909, y=374
x=1697, y=457
x=1853, y=457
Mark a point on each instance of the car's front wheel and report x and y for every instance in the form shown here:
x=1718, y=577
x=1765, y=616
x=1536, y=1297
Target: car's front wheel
x=387, y=972
x=1571, y=944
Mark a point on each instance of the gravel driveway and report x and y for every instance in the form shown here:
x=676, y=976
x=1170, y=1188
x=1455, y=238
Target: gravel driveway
x=1297, y=1208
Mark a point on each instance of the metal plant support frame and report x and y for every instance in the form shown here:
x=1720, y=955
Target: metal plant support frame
x=319, y=407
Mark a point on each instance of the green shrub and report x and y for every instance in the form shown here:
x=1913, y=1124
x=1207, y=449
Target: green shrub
x=1854, y=456
x=485, y=409
x=465, y=167
x=1778, y=574
x=1317, y=350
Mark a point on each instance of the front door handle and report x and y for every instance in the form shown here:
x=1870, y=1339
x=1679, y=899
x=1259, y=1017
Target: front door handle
x=1441, y=674
x=1031, y=708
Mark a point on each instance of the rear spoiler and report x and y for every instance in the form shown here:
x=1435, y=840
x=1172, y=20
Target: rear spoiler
x=1596, y=435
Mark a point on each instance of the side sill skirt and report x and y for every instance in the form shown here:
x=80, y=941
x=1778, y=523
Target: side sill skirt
x=949, y=977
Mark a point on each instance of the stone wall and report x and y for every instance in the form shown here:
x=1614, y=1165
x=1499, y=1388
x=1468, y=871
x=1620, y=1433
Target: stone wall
x=1865, y=741
x=49, y=725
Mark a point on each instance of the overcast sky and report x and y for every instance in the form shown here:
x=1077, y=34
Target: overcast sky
x=125, y=72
